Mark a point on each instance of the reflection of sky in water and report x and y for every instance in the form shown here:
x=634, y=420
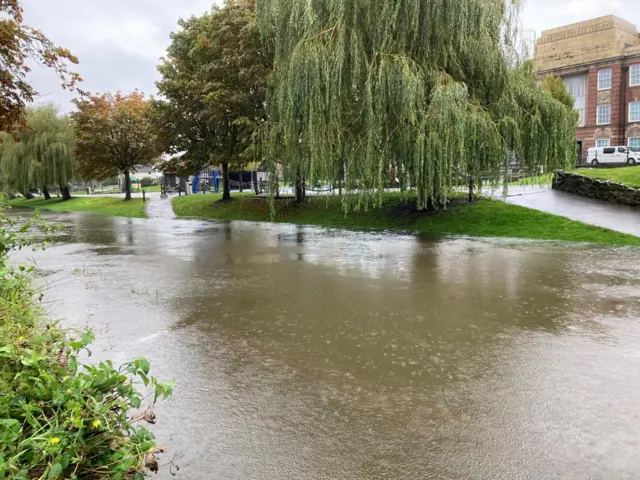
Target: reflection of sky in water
x=356, y=254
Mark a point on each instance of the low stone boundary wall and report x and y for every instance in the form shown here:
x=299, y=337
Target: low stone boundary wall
x=595, y=188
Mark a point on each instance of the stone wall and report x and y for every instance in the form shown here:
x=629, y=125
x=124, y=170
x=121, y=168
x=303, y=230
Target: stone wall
x=595, y=188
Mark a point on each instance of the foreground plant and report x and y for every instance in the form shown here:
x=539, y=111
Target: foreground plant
x=60, y=418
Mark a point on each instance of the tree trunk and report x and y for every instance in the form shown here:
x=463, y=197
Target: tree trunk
x=256, y=187
x=45, y=193
x=299, y=191
x=27, y=195
x=226, y=186
x=470, y=189
x=64, y=191
x=299, y=187
x=127, y=185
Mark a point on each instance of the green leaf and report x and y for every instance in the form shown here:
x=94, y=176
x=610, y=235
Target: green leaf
x=136, y=402
x=56, y=471
x=87, y=338
x=144, y=366
x=7, y=351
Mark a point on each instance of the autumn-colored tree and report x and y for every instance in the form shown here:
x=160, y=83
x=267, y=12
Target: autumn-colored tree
x=38, y=155
x=18, y=44
x=213, y=87
x=113, y=135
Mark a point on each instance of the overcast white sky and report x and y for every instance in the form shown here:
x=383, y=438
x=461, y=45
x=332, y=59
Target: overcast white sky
x=119, y=42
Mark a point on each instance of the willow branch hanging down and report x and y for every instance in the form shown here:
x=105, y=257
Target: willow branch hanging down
x=431, y=88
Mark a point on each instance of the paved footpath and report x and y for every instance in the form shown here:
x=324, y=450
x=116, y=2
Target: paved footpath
x=593, y=212
x=158, y=207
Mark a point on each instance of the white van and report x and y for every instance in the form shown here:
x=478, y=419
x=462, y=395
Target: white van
x=613, y=155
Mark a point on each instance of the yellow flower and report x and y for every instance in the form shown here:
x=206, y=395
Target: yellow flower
x=69, y=391
x=96, y=423
x=55, y=441
x=65, y=378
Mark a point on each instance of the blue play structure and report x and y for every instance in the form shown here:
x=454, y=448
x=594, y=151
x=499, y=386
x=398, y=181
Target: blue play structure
x=196, y=183
x=215, y=181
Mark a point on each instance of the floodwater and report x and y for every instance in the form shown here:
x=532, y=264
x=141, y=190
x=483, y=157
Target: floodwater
x=303, y=353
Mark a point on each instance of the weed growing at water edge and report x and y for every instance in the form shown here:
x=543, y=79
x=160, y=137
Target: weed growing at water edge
x=60, y=418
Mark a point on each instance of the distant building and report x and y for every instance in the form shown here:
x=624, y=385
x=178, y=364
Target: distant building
x=599, y=62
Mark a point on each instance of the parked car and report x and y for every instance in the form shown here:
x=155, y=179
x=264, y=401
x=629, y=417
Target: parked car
x=604, y=155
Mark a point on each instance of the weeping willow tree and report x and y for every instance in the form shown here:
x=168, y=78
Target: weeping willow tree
x=431, y=89
x=40, y=155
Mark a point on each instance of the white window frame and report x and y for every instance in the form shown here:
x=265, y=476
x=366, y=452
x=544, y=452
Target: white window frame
x=633, y=119
x=634, y=71
x=601, y=80
x=598, y=122
x=631, y=140
x=603, y=140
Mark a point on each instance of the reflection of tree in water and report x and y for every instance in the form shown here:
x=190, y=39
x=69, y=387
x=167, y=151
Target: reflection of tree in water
x=512, y=285
x=94, y=229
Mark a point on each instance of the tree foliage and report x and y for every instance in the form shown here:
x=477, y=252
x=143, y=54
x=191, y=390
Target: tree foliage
x=213, y=88
x=430, y=88
x=19, y=44
x=114, y=134
x=38, y=155
x=558, y=90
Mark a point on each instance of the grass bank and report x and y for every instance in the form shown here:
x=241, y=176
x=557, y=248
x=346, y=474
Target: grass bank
x=486, y=218
x=114, y=206
x=626, y=175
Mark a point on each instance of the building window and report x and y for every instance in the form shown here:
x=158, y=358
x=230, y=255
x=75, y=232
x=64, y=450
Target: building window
x=577, y=87
x=634, y=112
x=634, y=144
x=634, y=75
x=604, y=115
x=604, y=79
x=603, y=143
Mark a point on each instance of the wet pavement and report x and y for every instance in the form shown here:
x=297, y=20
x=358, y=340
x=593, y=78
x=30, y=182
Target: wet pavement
x=593, y=212
x=307, y=353
x=159, y=207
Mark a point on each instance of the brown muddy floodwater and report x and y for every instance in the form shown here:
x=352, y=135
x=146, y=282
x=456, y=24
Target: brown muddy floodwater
x=303, y=353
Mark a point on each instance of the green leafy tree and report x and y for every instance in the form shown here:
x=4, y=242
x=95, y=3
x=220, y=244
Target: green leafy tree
x=38, y=155
x=432, y=89
x=213, y=88
x=114, y=134
x=558, y=90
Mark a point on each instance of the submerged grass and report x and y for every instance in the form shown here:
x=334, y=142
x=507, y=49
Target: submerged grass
x=115, y=206
x=485, y=218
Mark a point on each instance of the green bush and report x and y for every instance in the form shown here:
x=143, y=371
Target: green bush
x=60, y=418
x=147, y=182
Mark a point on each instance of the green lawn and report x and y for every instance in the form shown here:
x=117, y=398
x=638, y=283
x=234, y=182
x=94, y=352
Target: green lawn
x=627, y=175
x=114, y=206
x=486, y=218
x=154, y=188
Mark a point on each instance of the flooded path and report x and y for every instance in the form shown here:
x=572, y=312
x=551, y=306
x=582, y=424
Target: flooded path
x=609, y=215
x=303, y=353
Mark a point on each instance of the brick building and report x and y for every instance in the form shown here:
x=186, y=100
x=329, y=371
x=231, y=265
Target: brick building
x=599, y=62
